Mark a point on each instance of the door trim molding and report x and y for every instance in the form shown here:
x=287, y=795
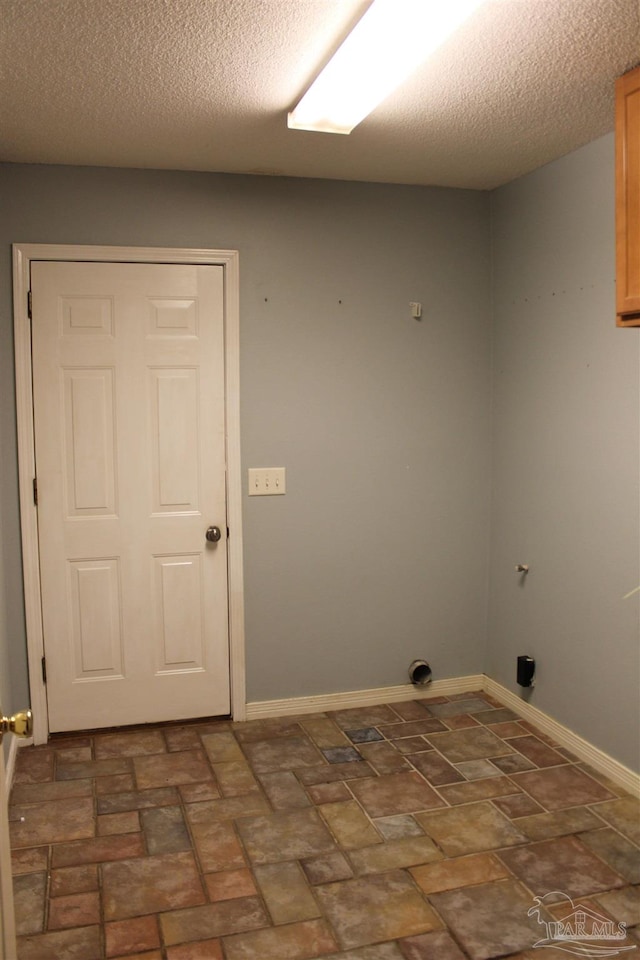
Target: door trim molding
x=23, y=255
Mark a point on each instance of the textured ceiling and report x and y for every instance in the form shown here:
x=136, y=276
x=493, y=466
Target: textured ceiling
x=206, y=85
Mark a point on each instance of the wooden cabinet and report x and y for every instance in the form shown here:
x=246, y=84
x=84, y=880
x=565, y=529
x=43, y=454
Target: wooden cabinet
x=628, y=199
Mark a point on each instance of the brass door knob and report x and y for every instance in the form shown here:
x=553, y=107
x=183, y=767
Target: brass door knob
x=21, y=724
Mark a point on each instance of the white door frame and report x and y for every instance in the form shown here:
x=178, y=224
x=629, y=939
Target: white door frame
x=23, y=254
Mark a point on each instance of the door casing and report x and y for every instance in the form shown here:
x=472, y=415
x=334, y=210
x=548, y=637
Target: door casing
x=23, y=255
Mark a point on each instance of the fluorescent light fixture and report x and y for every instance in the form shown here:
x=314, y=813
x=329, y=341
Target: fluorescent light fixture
x=386, y=45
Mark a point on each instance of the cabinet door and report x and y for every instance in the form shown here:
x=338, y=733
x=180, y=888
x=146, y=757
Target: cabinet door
x=628, y=198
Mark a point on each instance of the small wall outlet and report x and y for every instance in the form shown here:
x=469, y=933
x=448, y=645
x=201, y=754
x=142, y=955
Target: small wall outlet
x=525, y=671
x=266, y=481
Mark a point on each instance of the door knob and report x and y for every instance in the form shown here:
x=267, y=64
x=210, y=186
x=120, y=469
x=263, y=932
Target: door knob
x=213, y=534
x=21, y=724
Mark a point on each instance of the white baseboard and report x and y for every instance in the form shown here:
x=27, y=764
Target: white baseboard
x=598, y=759
x=292, y=706
x=586, y=751
x=10, y=768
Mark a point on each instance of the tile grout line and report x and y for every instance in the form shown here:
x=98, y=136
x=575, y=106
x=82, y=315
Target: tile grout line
x=182, y=802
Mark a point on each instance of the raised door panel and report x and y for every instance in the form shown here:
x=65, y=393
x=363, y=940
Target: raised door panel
x=179, y=611
x=89, y=432
x=176, y=318
x=87, y=316
x=175, y=423
x=96, y=618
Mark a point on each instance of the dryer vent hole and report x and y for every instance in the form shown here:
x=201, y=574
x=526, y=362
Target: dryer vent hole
x=420, y=673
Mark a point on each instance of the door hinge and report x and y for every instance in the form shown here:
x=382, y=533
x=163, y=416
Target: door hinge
x=227, y=533
x=44, y=670
x=30, y=305
x=35, y=491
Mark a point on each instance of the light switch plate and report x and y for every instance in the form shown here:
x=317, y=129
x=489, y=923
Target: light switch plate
x=266, y=481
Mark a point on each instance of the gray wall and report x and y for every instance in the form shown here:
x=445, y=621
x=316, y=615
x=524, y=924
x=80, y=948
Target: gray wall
x=378, y=552
x=565, y=453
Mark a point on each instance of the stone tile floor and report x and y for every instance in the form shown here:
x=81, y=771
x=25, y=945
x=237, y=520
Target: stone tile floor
x=414, y=831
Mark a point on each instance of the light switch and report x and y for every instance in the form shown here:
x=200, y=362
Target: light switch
x=266, y=481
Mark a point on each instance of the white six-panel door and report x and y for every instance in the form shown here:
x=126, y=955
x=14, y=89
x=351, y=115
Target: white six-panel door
x=128, y=371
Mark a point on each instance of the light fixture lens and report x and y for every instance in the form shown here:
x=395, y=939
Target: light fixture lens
x=386, y=45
